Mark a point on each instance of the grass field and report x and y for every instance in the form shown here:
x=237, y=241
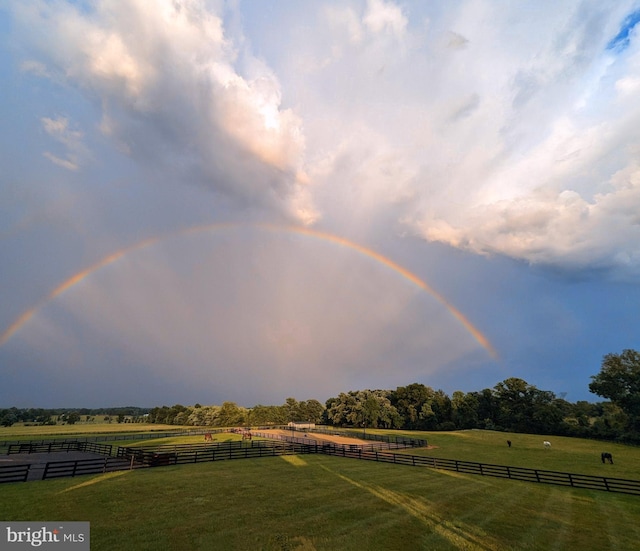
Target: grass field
x=22, y=432
x=572, y=455
x=329, y=503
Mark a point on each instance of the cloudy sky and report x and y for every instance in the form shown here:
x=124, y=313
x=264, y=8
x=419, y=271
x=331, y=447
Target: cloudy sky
x=207, y=201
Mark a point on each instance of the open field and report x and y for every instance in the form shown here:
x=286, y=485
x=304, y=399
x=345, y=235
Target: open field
x=573, y=455
x=22, y=432
x=326, y=503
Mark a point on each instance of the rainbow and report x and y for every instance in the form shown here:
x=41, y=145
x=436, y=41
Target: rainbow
x=324, y=236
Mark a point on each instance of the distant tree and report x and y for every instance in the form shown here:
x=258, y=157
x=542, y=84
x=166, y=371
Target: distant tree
x=465, y=410
x=371, y=411
x=619, y=381
x=524, y=408
x=8, y=419
x=311, y=411
x=230, y=415
x=292, y=409
x=410, y=402
x=73, y=418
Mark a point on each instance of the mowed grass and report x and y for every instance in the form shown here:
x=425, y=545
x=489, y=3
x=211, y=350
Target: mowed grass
x=324, y=503
x=574, y=455
x=318, y=502
x=21, y=432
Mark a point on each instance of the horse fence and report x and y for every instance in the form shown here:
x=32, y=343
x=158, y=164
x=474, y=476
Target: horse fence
x=58, y=469
x=573, y=480
x=156, y=456
x=14, y=473
x=52, y=447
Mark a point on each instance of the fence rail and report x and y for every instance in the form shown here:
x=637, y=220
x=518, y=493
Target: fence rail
x=174, y=455
x=14, y=473
x=150, y=456
x=363, y=435
x=589, y=482
x=52, y=447
x=391, y=444
x=114, y=437
x=59, y=469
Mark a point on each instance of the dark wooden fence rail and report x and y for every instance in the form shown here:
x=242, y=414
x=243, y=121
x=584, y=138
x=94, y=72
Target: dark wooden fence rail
x=113, y=437
x=14, y=473
x=58, y=469
x=390, y=444
x=363, y=435
x=174, y=455
x=194, y=432
x=52, y=447
x=590, y=482
x=148, y=456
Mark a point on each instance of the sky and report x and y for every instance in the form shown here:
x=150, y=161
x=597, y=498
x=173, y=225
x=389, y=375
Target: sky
x=204, y=201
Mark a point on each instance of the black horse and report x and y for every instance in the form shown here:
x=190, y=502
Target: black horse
x=606, y=456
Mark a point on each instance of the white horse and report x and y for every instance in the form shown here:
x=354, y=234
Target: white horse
x=546, y=444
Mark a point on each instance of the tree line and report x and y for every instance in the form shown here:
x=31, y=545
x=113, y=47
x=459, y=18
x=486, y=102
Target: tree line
x=43, y=416
x=511, y=405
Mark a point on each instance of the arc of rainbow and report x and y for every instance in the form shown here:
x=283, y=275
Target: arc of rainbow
x=67, y=284
x=110, y=259
x=482, y=340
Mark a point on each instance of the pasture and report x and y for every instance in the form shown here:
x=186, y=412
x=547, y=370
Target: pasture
x=317, y=502
x=574, y=455
x=20, y=431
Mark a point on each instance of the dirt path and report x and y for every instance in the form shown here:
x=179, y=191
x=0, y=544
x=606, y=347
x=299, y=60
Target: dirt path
x=310, y=435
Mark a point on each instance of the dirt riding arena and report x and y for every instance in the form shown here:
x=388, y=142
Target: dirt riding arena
x=319, y=438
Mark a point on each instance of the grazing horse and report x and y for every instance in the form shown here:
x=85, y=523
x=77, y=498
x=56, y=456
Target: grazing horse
x=207, y=437
x=546, y=444
x=509, y=443
x=606, y=456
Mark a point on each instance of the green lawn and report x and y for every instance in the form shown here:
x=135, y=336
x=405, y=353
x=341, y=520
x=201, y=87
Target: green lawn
x=330, y=503
x=23, y=432
x=574, y=455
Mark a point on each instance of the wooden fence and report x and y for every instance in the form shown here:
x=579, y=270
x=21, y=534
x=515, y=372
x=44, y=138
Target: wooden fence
x=141, y=457
x=58, y=469
x=14, y=473
x=52, y=447
x=180, y=454
x=573, y=480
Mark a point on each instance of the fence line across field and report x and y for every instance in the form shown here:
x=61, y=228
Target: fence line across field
x=155, y=456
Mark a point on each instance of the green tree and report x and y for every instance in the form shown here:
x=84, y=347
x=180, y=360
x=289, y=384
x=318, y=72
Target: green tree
x=619, y=381
x=311, y=411
x=230, y=415
x=465, y=410
x=409, y=402
x=8, y=419
x=524, y=408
